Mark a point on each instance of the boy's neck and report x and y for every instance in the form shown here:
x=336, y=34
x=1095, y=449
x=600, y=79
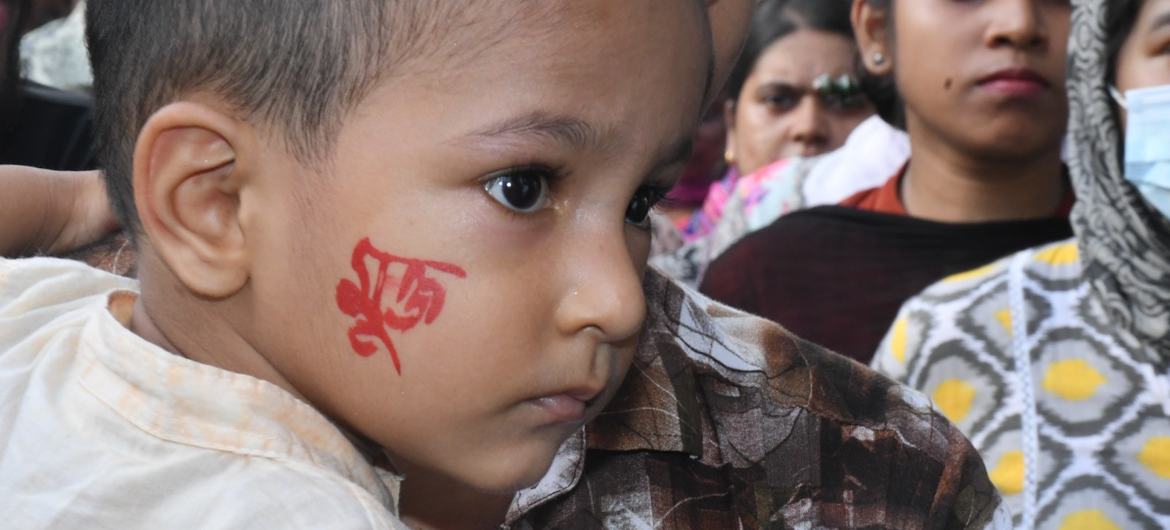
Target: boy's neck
x=189, y=328
x=944, y=184
x=429, y=502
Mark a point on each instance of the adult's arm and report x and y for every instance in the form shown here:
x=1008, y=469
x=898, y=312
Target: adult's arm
x=51, y=212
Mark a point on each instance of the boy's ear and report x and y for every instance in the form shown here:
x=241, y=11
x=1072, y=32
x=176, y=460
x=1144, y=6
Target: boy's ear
x=187, y=184
x=872, y=27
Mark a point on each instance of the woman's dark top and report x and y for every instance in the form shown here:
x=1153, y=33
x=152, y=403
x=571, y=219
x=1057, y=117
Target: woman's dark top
x=837, y=276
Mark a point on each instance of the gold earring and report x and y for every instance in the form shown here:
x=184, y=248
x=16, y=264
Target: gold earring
x=729, y=156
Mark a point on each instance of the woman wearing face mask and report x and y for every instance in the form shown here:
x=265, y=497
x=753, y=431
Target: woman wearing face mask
x=793, y=93
x=985, y=108
x=1056, y=361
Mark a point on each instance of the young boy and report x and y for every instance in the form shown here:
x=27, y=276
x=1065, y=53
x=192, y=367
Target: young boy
x=391, y=259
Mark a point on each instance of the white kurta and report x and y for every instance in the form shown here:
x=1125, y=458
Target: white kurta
x=101, y=429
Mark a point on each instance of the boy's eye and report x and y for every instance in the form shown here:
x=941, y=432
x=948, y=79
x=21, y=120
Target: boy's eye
x=520, y=190
x=644, y=200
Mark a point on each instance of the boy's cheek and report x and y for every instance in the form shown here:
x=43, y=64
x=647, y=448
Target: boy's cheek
x=386, y=296
x=729, y=27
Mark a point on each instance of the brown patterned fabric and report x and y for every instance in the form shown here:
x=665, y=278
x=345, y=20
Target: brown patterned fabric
x=729, y=421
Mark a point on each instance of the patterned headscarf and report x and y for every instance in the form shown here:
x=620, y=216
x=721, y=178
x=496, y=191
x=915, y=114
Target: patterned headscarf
x=1125, y=243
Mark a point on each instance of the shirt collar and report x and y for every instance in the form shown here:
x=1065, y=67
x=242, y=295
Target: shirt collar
x=182, y=401
x=658, y=408
x=650, y=395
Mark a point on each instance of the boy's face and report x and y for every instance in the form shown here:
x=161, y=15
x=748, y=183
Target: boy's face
x=464, y=285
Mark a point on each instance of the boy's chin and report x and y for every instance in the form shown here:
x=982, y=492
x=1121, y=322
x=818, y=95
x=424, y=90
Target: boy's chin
x=514, y=470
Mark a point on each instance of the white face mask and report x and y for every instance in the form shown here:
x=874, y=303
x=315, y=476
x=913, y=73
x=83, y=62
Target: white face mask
x=1147, y=144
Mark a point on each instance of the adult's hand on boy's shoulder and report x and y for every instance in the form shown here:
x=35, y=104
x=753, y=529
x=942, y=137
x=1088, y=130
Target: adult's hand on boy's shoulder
x=51, y=212
x=90, y=216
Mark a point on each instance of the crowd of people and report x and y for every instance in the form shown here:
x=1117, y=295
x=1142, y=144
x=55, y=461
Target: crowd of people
x=577, y=264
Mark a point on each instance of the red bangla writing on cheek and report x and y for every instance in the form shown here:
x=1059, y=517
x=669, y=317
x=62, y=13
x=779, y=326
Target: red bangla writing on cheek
x=418, y=298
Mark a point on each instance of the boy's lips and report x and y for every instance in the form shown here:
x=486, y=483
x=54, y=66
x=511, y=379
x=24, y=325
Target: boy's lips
x=568, y=406
x=562, y=408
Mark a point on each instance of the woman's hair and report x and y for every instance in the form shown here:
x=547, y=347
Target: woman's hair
x=1120, y=18
x=776, y=19
x=882, y=90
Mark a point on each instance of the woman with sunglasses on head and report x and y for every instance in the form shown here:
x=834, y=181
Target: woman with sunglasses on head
x=984, y=105
x=1056, y=360
x=800, y=132
x=793, y=93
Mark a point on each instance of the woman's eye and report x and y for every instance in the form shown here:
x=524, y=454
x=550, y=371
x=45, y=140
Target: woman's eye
x=783, y=101
x=781, y=97
x=644, y=200
x=520, y=190
x=843, y=102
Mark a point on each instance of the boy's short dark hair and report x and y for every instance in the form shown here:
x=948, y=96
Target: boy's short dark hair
x=294, y=65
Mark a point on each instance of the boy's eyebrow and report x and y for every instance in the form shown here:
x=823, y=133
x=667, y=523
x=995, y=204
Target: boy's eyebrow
x=561, y=129
x=577, y=133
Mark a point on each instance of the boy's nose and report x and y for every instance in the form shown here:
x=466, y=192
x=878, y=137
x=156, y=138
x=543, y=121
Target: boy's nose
x=604, y=291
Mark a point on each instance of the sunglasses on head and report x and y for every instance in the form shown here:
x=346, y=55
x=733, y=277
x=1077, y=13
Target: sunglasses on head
x=835, y=93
